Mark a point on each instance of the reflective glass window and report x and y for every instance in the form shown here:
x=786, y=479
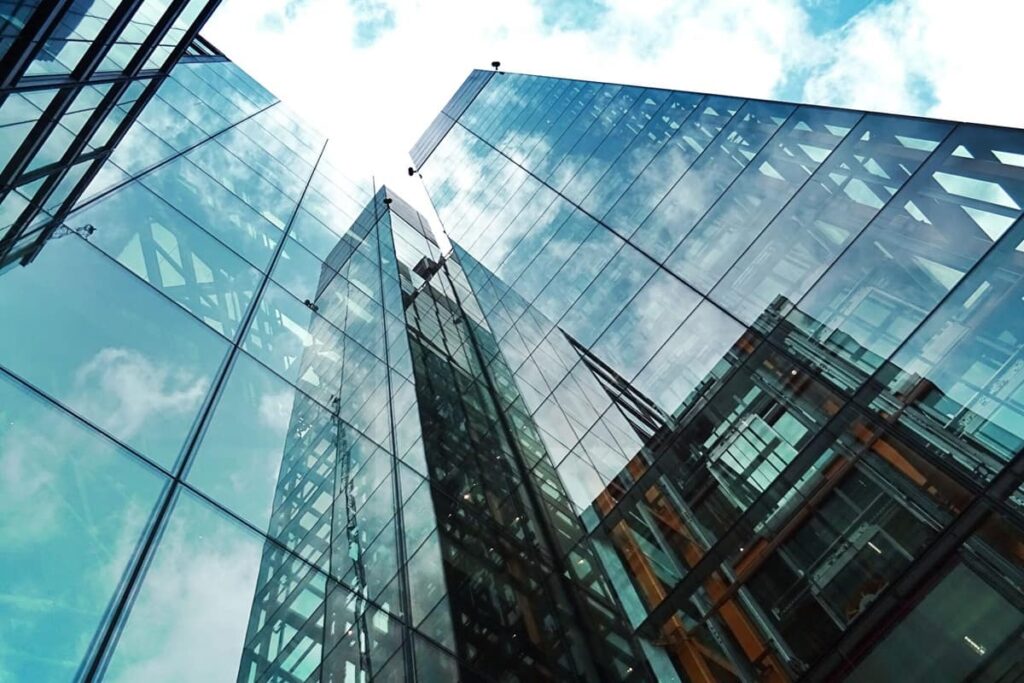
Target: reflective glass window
x=692, y=358
x=917, y=249
x=165, y=249
x=647, y=321
x=844, y=195
x=216, y=210
x=236, y=604
x=608, y=294
x=710, y=175
x=752, y=201
x=245, y=182
x=108, y=346
x=959, y=373
x=73, y=508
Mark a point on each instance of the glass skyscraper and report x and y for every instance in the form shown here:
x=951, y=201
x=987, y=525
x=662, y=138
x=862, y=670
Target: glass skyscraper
x=705, y=389
x=774, y=355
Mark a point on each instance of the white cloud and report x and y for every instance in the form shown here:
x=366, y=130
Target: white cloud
x=25, y=484
x=122, y=389
x=275, y=409
x=949, y=60
x=375, y=98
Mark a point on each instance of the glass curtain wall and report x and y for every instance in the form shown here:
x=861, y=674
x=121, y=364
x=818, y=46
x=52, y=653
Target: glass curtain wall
x=208, y=430
x=771, y=350
x=512, y=604
x=74, y=76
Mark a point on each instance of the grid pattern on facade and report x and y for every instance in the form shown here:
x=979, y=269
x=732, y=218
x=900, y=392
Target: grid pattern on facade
x=208, y=424
x=75, y=77
x=773, y=351
x=709, y=389
x=519, y=605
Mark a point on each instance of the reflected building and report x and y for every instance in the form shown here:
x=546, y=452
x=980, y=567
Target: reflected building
x=772, y=352
x=704, y=389
x=75, y=75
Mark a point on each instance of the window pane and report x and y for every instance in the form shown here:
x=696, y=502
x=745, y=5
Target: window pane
x=108, y=346
x=709, y=176
x=73, y=507
x=920, y=245
x=647, y=321
x=698, y=353
x=608, y=294
x=772, y=178
x=288, y=466
x=844, y=195
x=246, y=183
x=296, y=343
x=218, y=603
x=956, y=383
x=167, y=250
x=964, y=620
x=300, y=272
x=216, y=210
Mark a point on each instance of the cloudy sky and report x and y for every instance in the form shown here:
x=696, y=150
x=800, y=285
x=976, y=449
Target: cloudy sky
x=371, y=74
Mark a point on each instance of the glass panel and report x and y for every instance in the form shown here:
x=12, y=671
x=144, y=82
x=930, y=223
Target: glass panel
x=426, y=578
x=355, y=313
x=966, y=623
x=265, y=441
x=643, y=151
x=709, y=176
x=298, y=344
x=628, y=127
x=139, y=149
x=314, y=235
x=166, y=250
x=695, y=356
x=644, y=325
x=300, y=272
x=752, y=201
x=958, y=382
x=920, y=245
x=252, y=152
x=611, y=290
x=108, y=346
x=73, y=507
x=216, y=210
x=190, y=106
x=169, y=125
x=844, y=195
x=246, y=183
x=575, y=257
x=240, y=607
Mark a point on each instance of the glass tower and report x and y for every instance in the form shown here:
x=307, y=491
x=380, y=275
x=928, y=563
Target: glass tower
x=773, y=355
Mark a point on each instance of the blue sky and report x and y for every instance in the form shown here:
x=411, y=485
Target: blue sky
x=371, y=74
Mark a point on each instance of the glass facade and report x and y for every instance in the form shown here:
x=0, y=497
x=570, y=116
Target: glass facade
x=771, y=352
x=74, y=76
x=209, y=440
x=706, y=389
x=254, y=427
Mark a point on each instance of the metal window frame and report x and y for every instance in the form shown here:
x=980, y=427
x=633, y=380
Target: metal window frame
x=24, y=245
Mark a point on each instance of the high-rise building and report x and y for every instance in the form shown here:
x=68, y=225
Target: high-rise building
x=706, y=389
x=774, y=355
